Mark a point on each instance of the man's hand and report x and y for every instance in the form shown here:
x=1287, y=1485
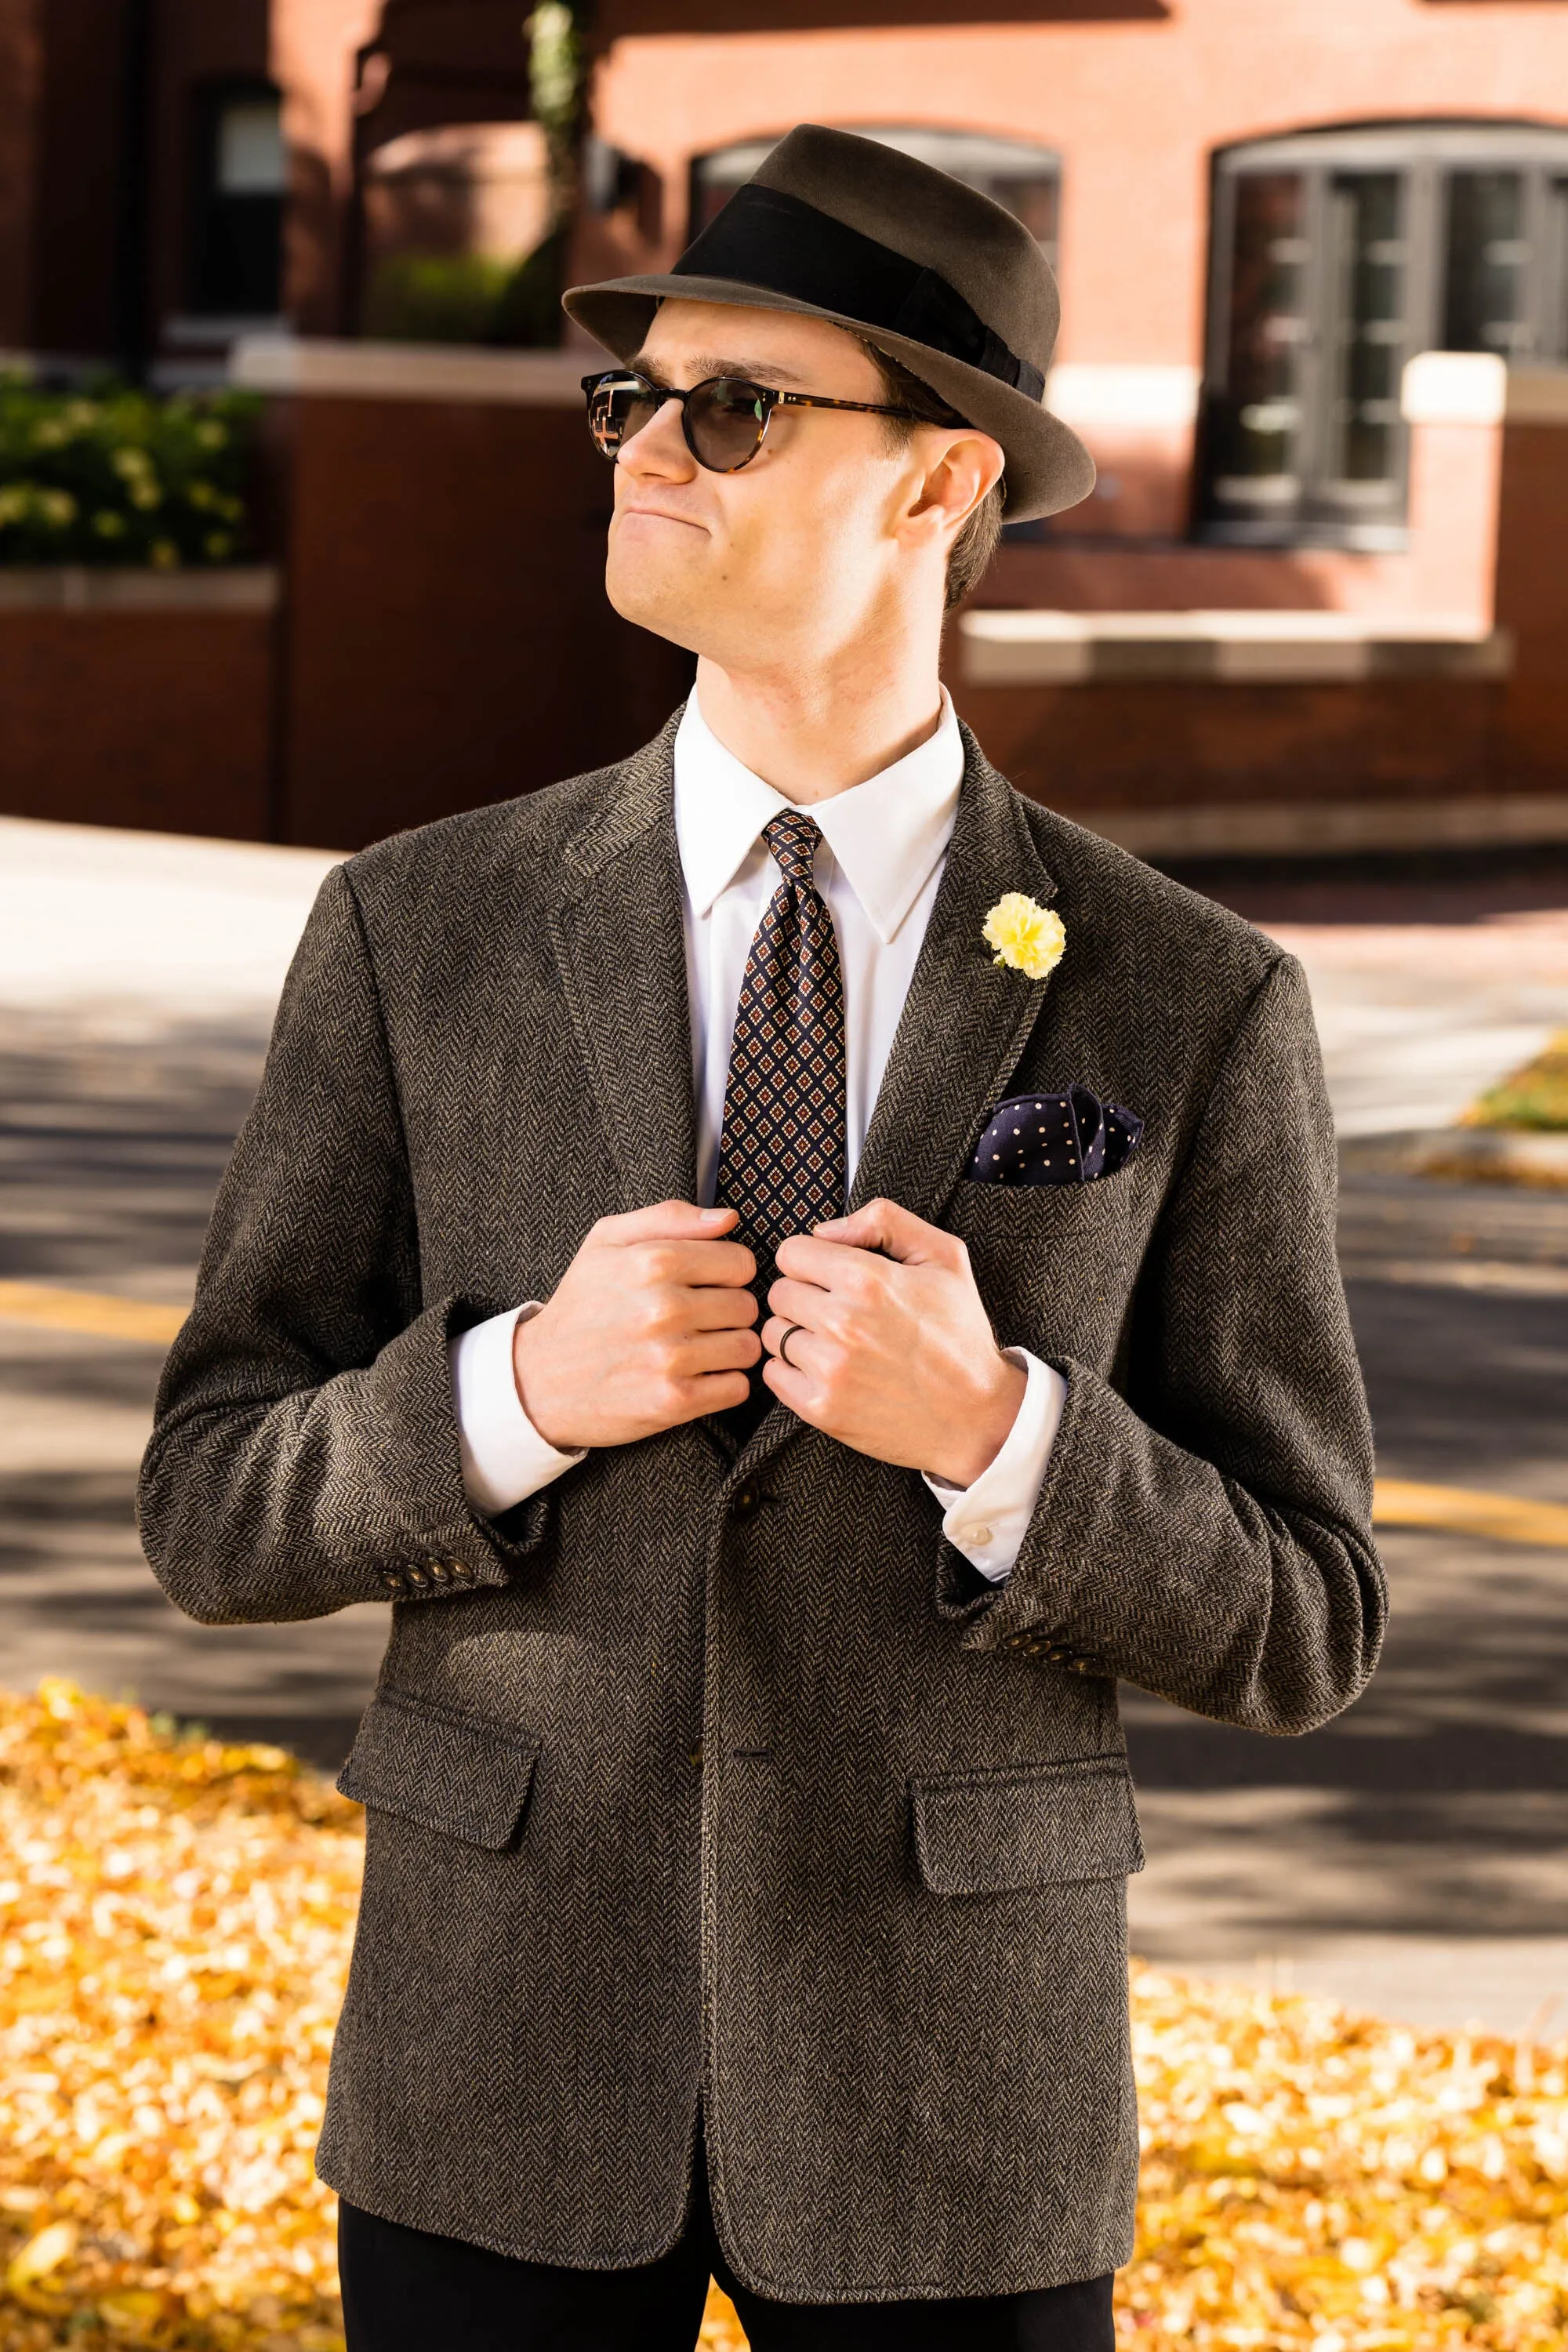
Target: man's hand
x=895, y=1355
x=650, y=1325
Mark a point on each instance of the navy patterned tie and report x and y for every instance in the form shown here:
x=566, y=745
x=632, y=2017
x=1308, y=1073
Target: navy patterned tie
x=782, y=1148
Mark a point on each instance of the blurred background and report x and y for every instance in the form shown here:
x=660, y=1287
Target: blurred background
x=301, y=542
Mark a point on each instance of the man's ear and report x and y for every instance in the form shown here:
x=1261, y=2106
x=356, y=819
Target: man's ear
x=965, y=465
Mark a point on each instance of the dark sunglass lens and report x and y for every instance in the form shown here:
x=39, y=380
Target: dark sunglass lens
x=617, y=408
x=727, y=418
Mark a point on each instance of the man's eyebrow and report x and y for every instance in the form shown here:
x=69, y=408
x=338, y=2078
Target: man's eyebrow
x=706, y=365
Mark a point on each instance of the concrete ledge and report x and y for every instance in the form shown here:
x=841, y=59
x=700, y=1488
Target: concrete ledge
x=309, y=367
x=1480, y=388
x=1329, y=828
x=1125, y=397
x=83, y=588
x=1250, y=648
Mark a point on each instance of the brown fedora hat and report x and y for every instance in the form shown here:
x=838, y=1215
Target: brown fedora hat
x=928, y=270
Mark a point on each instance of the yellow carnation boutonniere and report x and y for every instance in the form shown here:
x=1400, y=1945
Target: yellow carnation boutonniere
x=1027, y=937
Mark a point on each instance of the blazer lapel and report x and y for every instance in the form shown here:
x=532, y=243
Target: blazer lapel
x=619, y=939
x=966, y=1019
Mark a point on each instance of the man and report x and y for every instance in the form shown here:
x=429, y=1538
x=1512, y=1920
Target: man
x=793, y=1268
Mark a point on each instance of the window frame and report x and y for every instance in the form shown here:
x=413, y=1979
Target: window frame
x=1424, y=156
x=211, y=100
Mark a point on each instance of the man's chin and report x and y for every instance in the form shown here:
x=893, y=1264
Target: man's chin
x=649, y=596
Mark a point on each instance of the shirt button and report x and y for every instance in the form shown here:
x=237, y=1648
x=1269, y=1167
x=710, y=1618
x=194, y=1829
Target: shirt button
x=975, y=1536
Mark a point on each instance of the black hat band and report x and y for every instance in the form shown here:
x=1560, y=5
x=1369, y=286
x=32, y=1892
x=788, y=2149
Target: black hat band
x=769, y=239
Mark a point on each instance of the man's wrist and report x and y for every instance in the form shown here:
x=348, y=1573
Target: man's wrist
x=524, y=1347
x=986, y=1430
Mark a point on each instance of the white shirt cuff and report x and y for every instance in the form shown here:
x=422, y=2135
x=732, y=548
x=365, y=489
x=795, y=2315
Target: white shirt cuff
x=987, y=1520
x=505, y=1459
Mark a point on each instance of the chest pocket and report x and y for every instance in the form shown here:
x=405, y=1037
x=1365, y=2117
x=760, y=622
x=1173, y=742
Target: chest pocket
x=1054, y=1263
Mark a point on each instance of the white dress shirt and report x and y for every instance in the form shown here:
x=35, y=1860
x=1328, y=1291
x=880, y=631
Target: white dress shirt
x=884, y=846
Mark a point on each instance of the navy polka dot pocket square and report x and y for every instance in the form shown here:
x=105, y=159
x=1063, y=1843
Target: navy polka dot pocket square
x=1062, y=1138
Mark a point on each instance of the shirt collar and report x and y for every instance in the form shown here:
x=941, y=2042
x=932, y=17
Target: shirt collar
x=886, y=833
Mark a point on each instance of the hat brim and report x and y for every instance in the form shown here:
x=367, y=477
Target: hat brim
x=1047, y=468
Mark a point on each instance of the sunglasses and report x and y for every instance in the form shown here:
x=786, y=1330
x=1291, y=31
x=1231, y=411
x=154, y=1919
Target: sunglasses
x=725, y=419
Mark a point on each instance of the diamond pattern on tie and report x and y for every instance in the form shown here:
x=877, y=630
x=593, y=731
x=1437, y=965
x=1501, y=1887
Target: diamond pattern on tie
x=782, y=1147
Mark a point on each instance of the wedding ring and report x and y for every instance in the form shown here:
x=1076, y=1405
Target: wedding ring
x=785, y=1355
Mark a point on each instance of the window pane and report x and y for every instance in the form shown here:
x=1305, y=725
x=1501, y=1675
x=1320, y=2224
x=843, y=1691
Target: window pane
x=250, y=160
x=1366, y=227
x=1483, y=307
x=1260, y=424
x=236, y=220
x=1556, y=337
x=1033, y=199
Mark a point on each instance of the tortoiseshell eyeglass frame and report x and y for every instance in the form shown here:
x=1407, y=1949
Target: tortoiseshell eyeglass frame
x=722, y=398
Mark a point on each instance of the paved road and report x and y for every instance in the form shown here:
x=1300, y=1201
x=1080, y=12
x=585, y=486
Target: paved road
x=1411, y=1857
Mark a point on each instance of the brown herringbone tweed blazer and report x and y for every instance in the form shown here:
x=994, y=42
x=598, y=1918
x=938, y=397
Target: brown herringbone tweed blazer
x=702, y=1777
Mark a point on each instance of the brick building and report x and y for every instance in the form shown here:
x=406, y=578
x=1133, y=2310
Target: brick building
x=1314, y=265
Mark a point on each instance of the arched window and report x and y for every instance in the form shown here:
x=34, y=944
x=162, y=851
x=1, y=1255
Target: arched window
x=237, y=213
x=1336, y=254
x=1024, y=177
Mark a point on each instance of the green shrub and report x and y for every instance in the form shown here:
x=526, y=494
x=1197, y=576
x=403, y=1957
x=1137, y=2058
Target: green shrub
x=119, y=477
x=433, y=298
x=1535, y=1097
x=467, y=298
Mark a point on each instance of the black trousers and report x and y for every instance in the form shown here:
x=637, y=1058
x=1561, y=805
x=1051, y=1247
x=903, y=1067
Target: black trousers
x=407, y=2291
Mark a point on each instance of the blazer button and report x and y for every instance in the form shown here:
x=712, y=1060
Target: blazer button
x=745, y=1502
x=695, y=1759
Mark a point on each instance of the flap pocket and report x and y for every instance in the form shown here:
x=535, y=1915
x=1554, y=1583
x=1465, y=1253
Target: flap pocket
x=992, y=1827
x=459, y=1774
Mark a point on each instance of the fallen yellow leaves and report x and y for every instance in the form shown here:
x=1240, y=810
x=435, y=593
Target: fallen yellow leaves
x=175, y=1917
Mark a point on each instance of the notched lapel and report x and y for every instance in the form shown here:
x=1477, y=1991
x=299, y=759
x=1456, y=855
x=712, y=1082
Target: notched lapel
x=966, y=1019
x=618, y=936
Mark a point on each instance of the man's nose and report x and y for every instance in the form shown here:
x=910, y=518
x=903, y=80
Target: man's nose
x=657, y=449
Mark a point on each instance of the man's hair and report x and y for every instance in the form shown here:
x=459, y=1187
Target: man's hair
x=976, y=543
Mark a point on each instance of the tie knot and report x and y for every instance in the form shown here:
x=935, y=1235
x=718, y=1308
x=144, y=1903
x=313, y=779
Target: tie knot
x=792, y=838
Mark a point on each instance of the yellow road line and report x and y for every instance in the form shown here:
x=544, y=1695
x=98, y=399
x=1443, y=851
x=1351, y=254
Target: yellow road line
x=1397, y=1501
x=99, y=1315
x=1508, y=1518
